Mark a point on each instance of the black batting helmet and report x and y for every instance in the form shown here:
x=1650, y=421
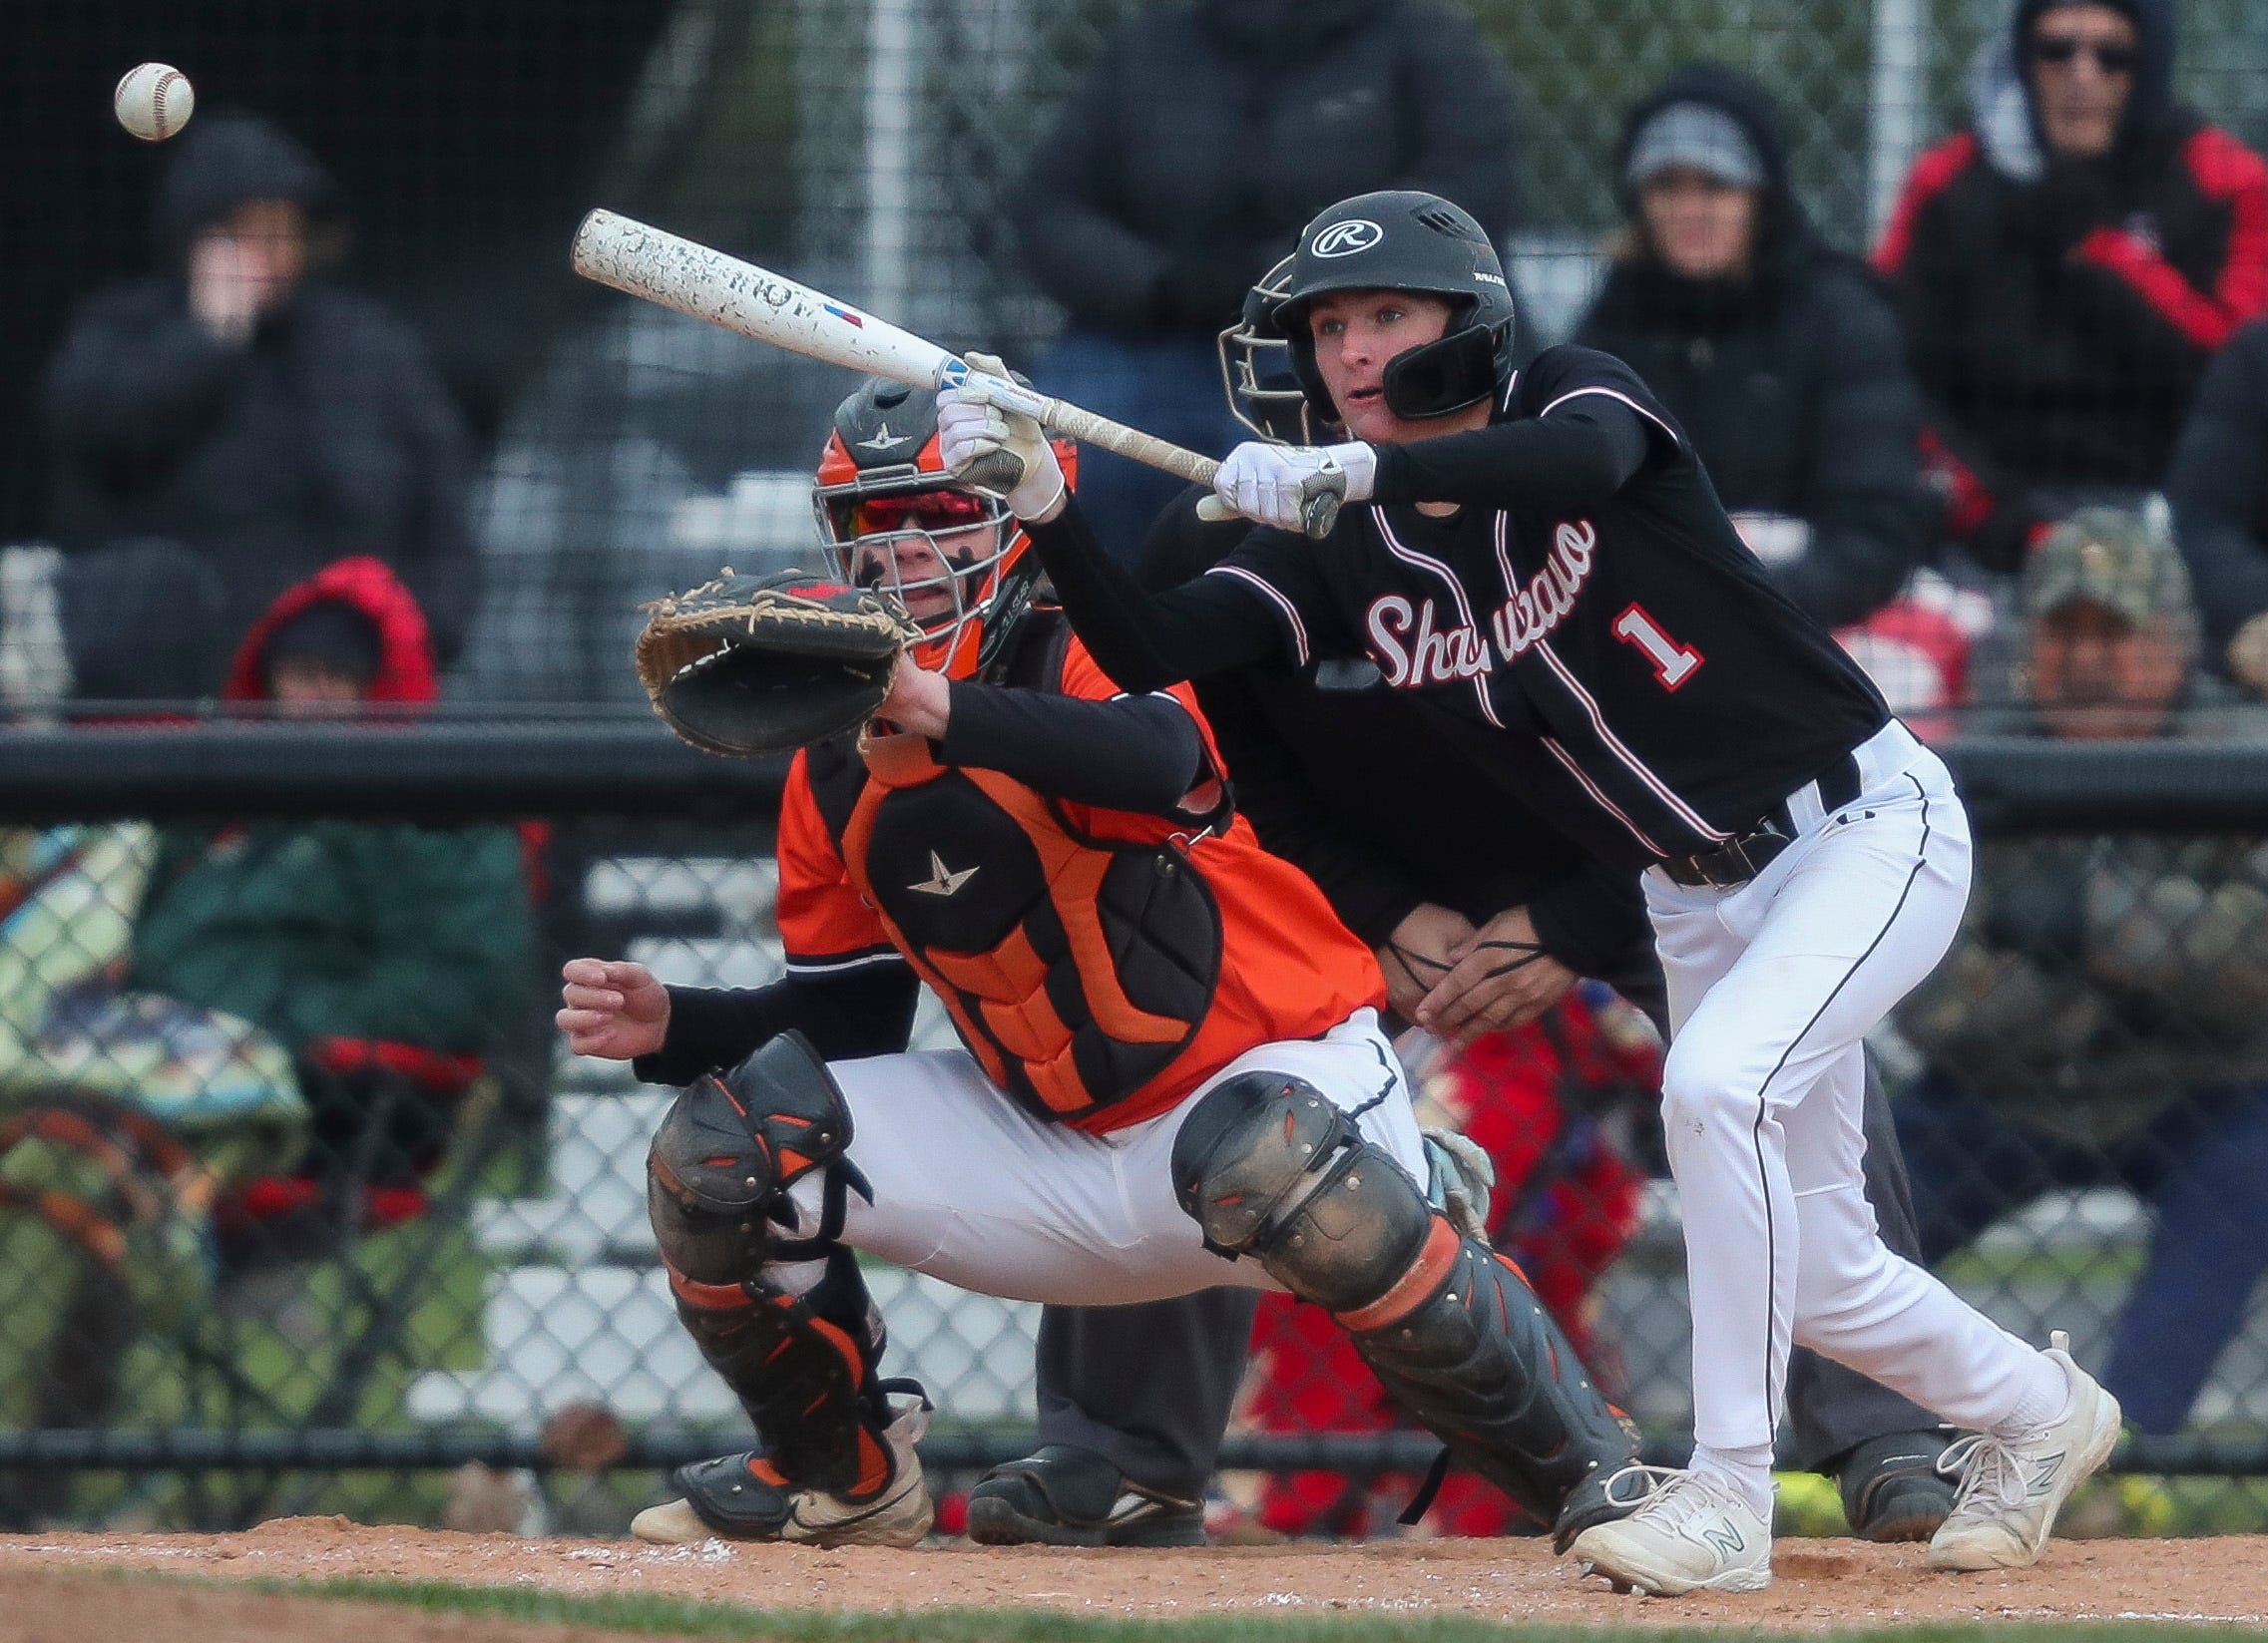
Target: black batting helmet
x=1400, y=239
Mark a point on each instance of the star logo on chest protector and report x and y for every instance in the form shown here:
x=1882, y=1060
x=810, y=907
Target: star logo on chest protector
x=941, y=881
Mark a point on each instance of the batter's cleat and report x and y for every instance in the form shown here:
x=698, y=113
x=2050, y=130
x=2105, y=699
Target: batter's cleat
x=1068, y=1496
x=2012, y=1487
x=1692, y=1533
x=1892, y=1488
x=743, y=1498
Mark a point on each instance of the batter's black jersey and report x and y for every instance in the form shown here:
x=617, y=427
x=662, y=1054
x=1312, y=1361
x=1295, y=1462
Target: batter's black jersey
x=1670, y=688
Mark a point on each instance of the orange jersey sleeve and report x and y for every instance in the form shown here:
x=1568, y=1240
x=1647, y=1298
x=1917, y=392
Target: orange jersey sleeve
x=823, y=924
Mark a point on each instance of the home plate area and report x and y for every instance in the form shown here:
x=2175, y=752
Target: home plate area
x=1819, y=1585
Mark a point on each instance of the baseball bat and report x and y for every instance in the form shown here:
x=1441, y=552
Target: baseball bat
x=706, y=283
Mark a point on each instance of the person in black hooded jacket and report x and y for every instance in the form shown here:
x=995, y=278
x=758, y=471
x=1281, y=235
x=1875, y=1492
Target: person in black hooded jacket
x=245, y=416
x=1779, y=356
x=2066, y=265
x=1188, y=157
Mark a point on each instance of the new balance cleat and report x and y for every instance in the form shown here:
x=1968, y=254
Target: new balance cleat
x=2012, y=1487
x=1692, y=1531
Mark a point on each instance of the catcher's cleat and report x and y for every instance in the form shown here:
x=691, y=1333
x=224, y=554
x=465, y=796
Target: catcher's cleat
x=1066, y=1496
x=745, y=1498
x=1892, y=1489
x=2012, y=1487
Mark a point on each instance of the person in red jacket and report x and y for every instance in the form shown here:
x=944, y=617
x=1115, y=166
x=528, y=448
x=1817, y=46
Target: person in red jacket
x=2066, y=265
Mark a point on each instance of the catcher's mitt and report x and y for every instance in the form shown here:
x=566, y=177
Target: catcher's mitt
x=762, y=665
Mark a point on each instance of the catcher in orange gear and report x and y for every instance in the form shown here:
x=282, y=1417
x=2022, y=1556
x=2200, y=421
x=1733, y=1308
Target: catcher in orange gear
x=1171, y=1074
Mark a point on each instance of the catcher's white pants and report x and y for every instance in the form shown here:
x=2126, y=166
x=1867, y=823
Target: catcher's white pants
x=1773, y=985
x=971, y=1188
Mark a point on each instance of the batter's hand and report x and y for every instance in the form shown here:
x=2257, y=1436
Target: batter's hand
x=1503, y=978
x=1423, y=949
x=983, y=416
x=1282, y=484
x=612, y=1009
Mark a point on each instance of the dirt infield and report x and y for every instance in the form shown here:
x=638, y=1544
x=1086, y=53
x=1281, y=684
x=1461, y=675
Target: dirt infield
x=1820, y=1584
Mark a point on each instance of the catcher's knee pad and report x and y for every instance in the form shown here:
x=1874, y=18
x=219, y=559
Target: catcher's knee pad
x=804, y=1368
x=1269, y=1168
x=1464, y=1345
x=728, y=1151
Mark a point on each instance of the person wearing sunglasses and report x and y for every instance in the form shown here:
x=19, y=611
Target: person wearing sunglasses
x=2065, y=267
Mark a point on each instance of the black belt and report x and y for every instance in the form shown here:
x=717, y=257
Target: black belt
x=1747, y=853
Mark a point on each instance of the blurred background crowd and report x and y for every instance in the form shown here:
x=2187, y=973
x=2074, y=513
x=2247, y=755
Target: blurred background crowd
x=1963, y=302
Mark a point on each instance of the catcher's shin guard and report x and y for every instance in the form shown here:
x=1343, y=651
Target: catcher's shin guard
x=801, y=1363
x=1269, y=1168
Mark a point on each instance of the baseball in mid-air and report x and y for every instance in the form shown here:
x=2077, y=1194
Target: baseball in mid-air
x=154, y=101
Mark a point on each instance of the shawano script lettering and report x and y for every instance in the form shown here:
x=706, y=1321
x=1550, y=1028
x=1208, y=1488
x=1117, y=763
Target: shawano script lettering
x=1414, y=648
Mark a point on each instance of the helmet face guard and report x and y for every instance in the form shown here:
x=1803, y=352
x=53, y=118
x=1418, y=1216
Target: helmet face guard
x=1403, y=241
x=892, y=518
x=1258, y=376
x=943, y=553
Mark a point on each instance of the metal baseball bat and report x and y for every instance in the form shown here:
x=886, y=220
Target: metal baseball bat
x=706, y=283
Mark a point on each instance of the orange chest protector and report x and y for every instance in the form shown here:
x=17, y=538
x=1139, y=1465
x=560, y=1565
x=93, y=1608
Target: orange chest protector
x=1077, y=970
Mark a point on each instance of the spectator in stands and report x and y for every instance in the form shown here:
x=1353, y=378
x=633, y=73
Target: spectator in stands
x=279, y=977
x=2066, y=265
x=342, y=929
x=2218, y=486
x=1779, y=356
x=2103, y=1019
x=228, y=426
x=1189, y=158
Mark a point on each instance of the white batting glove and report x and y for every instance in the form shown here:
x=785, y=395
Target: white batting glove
x=1282, y=484
x=988, y=439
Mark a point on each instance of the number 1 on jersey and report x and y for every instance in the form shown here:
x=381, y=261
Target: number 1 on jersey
x=1674, y=663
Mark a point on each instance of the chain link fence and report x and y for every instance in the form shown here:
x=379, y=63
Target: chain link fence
x=253, y=1267
x=262, y=1249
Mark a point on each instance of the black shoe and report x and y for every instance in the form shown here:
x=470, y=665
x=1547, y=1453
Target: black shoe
x=1065, y=1497
x=1892, y=1489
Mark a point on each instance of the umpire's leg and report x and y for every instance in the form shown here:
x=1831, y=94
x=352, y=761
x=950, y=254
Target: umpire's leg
x=1833, y=1409
x=1148, y=1386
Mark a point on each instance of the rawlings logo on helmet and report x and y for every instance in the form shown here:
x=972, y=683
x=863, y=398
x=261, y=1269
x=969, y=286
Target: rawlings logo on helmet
x=1357, y=233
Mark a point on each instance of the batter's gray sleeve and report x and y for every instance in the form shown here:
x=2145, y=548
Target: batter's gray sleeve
x=1146, y=1386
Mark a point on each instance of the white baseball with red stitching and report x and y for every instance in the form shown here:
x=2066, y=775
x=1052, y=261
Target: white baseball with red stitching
x=154, y=101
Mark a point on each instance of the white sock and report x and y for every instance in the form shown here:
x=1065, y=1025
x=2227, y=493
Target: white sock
x=2045, y=1399
x=1747, y=1469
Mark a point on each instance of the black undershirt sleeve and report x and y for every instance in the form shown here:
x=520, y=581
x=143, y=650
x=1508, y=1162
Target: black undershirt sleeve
x=1147, y=641
x=1587, y=449
x=1138, y=754
x=1590, y=917
x=863, y=1012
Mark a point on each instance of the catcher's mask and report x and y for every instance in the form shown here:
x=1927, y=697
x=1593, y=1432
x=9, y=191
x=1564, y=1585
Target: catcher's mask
x=892, y=518
x=1403, y=241
x=1257, y=370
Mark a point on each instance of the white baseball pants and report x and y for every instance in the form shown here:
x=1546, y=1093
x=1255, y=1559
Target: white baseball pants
x=971, y=1188
x=1773, y=985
